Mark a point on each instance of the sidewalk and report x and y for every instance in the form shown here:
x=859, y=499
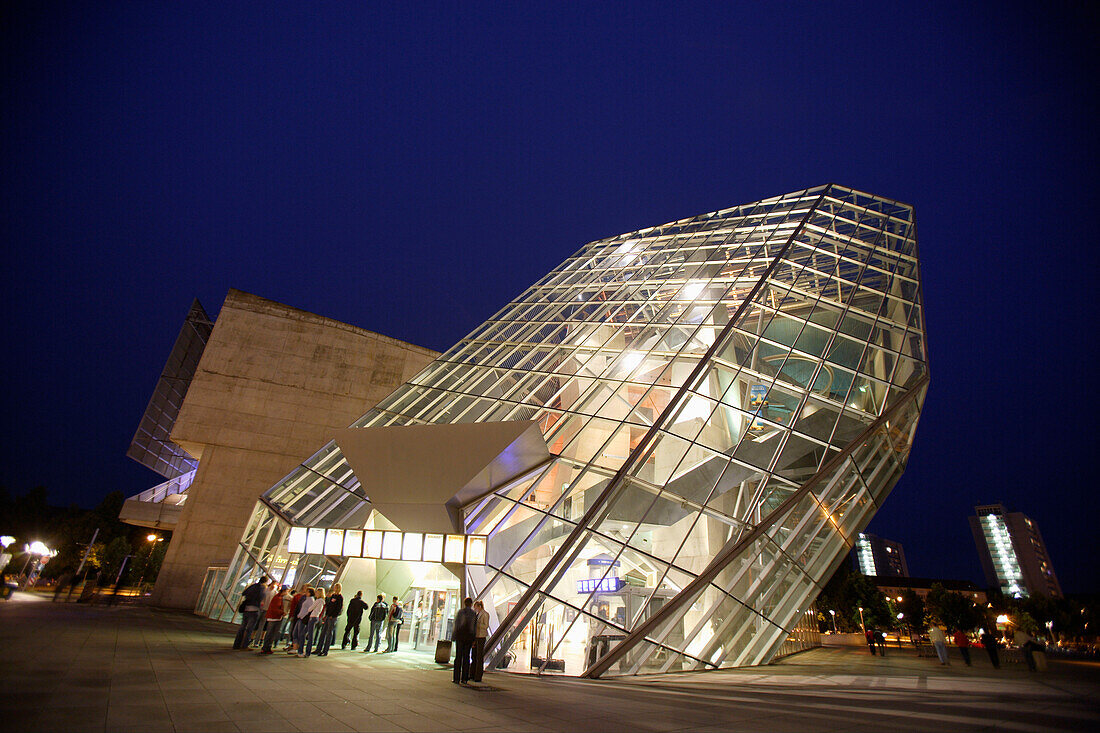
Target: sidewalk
x=127, y=668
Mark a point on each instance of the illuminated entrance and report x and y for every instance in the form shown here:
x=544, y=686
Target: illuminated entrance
x=422, y=570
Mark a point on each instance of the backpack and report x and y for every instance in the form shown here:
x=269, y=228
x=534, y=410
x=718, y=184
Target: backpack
x=397, y=613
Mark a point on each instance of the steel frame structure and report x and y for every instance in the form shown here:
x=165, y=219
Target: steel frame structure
x=727, y=399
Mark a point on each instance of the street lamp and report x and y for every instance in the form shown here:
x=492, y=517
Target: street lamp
x=152, y=539
x=861, y=624
x=35, y=549
x=833, y=614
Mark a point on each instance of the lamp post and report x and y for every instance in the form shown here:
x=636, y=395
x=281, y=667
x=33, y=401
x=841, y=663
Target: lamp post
x=36, y=550
x=152, y=539
x=833, y=614
x=861, y=624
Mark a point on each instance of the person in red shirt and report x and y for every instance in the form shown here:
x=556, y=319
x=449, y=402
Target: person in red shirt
x=962, y=641
x=292, y=633
x=275, y=611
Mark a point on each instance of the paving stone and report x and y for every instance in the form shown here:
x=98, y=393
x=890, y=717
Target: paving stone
x=75, y=668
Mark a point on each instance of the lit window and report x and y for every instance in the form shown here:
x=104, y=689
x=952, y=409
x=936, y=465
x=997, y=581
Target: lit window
x=412, y=546
x=433, y=548
x=334, y=542
x=297, y=541
x=454, y=548
x=475, y=550
x=353, y=543
x=315, y=541
x=372, y=544
x=391, y=546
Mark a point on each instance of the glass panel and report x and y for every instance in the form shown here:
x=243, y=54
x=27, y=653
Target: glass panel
x=455, y=548
x=391, y=546
x=315, y=541
x=372, y=544
x=412, y=546
x=433, y=548
x=297, y=540
x=334, y=542
x=475, y=550
x=353, y=543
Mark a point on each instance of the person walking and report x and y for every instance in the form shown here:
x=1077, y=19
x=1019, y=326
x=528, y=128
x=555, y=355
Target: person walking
x=304, y=609
x=463, y=636
x=880, y=639
x=939, y=641
x=478, y=668
x=1028, y=646
x=356, y=606
x=989, y=641
x=378, y=613
x=869, y=633
x=250, y=607
x=334, y=605
x=962, y=641
x=275, y=612
x=394, y=618
x=66, y=579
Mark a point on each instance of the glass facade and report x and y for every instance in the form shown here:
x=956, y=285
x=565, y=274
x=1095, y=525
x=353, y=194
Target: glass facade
x=727, y=399
x=151, y=446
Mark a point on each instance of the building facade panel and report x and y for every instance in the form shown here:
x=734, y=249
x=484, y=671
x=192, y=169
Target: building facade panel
x=272, y=383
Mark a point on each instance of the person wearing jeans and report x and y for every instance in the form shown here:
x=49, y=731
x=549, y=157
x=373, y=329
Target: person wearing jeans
x=378, y=613
x=251, y=608
x=334, y=604
x=275, y=611
x=314, y=618
x=305, y=607
x=939, y=641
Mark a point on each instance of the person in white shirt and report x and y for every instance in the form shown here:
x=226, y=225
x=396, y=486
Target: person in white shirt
x=305, y=606
x=314, y=618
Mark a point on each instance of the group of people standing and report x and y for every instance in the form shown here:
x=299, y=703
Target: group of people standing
x=306, y=619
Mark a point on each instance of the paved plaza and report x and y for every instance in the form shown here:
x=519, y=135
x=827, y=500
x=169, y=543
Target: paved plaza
x=70, y=667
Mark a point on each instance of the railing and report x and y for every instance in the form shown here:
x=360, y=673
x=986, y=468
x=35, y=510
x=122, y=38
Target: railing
x=160, y=492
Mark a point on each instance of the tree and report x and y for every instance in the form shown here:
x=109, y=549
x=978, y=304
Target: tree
x=146, y=563
x=112, y=557
x=952, y=610
x=848, y=591
x=912, y=605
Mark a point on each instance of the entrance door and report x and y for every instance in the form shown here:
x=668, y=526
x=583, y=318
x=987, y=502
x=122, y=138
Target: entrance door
x=433, y=611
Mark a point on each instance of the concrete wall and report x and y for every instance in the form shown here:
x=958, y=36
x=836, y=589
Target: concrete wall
x=273, y=384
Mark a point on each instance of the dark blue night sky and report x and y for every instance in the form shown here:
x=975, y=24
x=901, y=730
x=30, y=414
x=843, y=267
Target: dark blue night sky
x=411, y=168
